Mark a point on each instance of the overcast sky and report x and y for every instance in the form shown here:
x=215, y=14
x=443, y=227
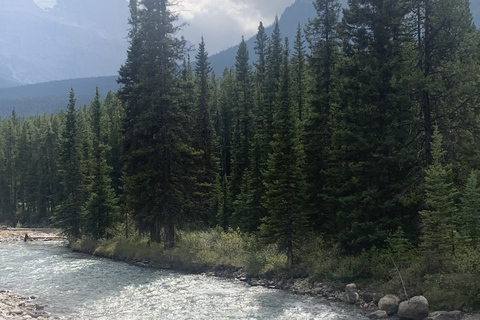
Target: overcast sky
x=221, y=22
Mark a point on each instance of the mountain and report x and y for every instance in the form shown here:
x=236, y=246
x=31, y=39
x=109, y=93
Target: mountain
x=51, y=97
x=75, y=39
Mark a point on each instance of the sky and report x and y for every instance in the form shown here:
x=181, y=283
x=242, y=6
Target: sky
x=221, y=22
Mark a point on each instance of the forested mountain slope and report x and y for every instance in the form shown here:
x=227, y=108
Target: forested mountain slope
x=51, y=97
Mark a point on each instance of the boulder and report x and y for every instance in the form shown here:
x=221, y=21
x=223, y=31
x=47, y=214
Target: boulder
x=445, y=315
x=416, y=308
x=351, y=297
x=352, y=287
x=389, y=304
x=379, y=314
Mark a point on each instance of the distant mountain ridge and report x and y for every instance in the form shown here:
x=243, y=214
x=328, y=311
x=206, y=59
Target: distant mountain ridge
x=75, y=39
x=51, y=97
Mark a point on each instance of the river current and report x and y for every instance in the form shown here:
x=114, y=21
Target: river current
x=80, y=286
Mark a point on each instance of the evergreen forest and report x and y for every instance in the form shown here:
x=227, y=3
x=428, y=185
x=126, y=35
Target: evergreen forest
x=357, y=151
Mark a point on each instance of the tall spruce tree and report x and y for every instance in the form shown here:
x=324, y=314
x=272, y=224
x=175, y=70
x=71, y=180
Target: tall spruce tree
x=67, y=214
x=205, y=136
x=242, y=136
x=323, y=41
x=299, y=73
x=438, y=218
x=284, y=200
x=444, y=71
x=371, y=161
x=101, y=209
x=156, y=141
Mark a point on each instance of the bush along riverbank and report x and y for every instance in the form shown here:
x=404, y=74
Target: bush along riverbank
x=322, y=270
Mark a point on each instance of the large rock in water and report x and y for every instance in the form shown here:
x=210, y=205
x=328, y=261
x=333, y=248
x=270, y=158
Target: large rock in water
x=445, y=315
x=416, y=308
x=389, y=303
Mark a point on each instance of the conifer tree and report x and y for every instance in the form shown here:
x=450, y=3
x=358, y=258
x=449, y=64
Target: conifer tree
x=286, y=221
x=101, y=210
x=438, y=218
x=365, y=183
x=298, y=74
x=67, y=214
x=157, y=144
x=205, y=136
x=444, y=70
x=323, y=41
x=225, y=127
x=242, y=136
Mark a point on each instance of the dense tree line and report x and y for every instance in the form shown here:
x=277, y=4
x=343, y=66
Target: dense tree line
x=368, y=129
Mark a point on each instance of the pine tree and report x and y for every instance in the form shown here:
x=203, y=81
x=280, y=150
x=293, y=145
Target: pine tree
x=157, y=144
x=286, y=221
x=205, y=136
x=323, y=41
x=227, y=104
x=242, y=136
x=438, y=218
x=101, y=210
x=298, y=74
x=67, y=214
x=370, y=163
x=444, y=71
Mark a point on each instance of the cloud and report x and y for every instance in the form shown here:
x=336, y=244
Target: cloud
x=44, y=4
x=223, y=22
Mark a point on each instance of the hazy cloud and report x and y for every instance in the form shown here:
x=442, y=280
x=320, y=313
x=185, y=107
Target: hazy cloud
x=221, y=22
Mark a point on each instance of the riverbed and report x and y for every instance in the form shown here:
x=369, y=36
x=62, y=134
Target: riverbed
x=79, y=286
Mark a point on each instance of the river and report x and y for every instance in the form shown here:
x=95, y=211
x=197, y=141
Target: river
x=80, y=286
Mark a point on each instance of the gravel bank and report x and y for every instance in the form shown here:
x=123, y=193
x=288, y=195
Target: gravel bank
x=18, y=234
x=15, y=307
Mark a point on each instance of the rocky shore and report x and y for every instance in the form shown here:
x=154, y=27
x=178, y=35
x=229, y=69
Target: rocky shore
x=28, y=234
x=13, y=306
x=16, y=307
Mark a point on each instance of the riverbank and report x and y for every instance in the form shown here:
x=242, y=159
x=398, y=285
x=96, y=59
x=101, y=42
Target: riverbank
x=29, y=234
x=22, y=308
x=13, y=306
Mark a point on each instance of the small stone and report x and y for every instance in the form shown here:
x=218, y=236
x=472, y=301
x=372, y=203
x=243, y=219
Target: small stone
x=379, y=314
x=445, y=315
x=16, y=311
x=352, y=287
x=350, y=297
